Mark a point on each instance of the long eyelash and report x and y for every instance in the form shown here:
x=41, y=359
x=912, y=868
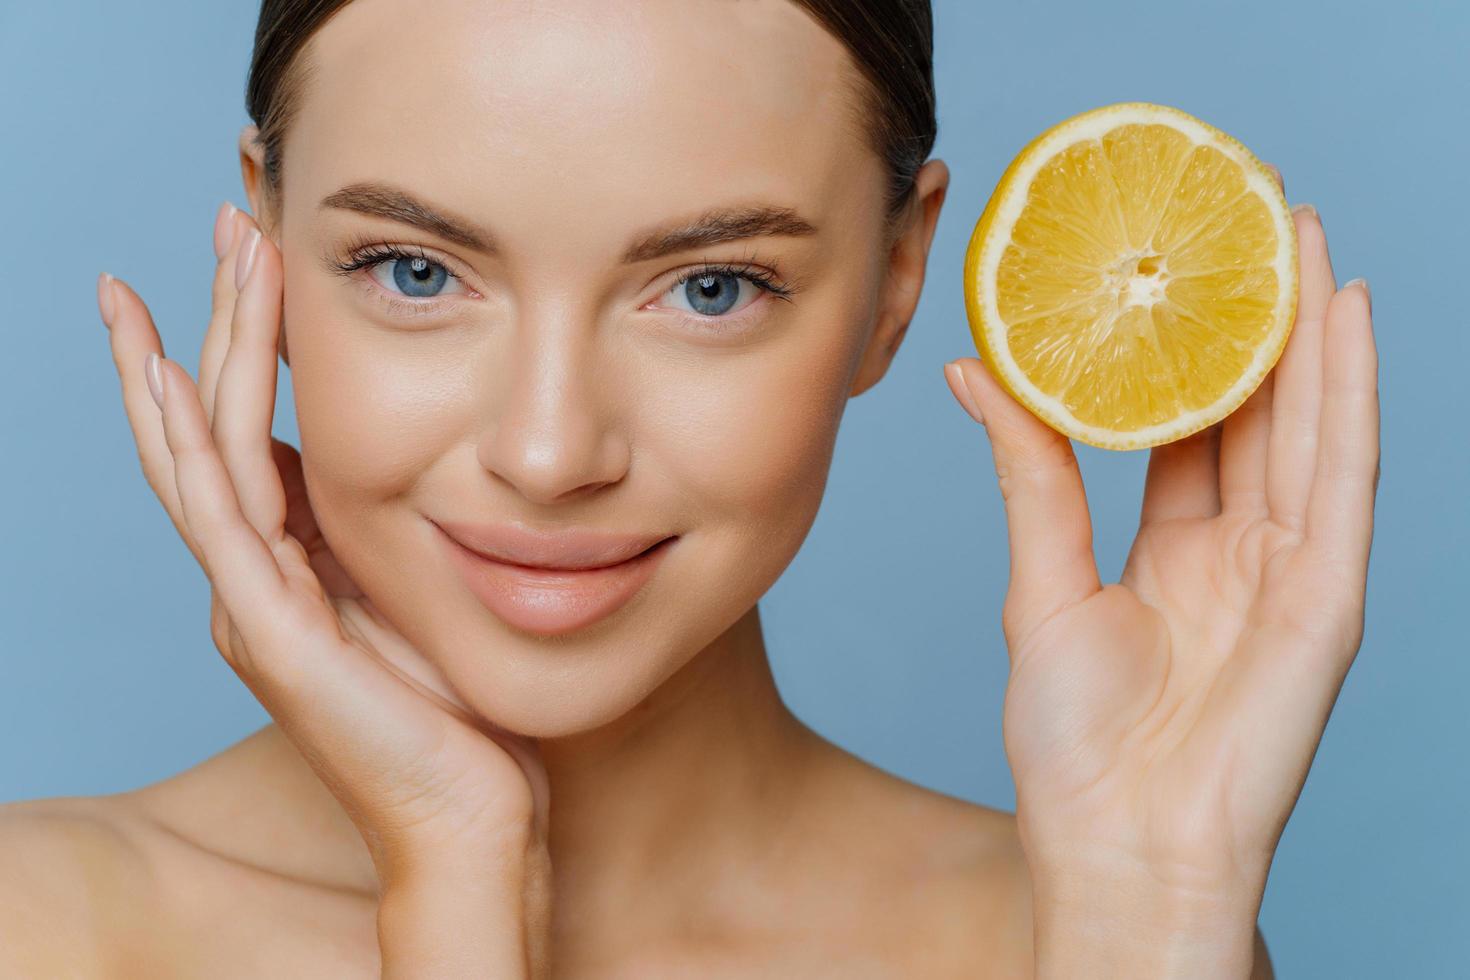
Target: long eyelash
x=762, y=279
x=362, y=255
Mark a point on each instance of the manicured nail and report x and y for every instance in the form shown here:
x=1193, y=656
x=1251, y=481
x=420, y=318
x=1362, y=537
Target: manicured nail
x=1364, y=284
x=1309, y=209
x=966, y=396
x=246, y=260
x=105, y=301
x=153, y=371
x=224, y=229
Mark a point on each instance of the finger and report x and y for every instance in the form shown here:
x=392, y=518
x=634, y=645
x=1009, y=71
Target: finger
x=1243, y=448
x=1183, y=478
x=1340, y=513
x=133, y=337
x=300, y=520
x=301, y=524
x=1297, y=400
x=1050, y=530
x=1244, y=440
x=242, y=568
x=230, y=226
x=245, y=400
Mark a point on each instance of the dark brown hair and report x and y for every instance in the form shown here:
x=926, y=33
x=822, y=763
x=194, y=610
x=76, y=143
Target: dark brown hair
x=891, y=42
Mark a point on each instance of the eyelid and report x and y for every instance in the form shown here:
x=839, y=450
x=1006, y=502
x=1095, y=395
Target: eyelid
x=764, y=280
x=364, y=255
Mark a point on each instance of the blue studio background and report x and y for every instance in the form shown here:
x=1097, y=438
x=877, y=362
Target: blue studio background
x=119, y=141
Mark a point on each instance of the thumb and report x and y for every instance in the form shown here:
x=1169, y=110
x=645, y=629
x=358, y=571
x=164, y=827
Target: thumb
x=1050, y=530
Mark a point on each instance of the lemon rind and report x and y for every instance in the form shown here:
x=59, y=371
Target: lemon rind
x=993, y=232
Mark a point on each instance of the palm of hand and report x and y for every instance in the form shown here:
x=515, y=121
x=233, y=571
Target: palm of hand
x=1161, y=716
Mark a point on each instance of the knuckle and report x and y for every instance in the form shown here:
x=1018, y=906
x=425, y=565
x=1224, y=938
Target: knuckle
x=222, y=295
x=223, y=290
x=154, y=473
x=1035, y=467
x=221, y=432
x=1342, y=462
x=1010, y=619
x=241, y=657
x=220, y=628
x=228, y=640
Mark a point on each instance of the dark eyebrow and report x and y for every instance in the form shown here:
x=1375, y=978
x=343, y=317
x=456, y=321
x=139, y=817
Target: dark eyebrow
x=716, y=225
x=384, y=201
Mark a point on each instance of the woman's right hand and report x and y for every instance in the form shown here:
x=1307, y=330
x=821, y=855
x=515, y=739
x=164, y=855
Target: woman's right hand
x=437, y=793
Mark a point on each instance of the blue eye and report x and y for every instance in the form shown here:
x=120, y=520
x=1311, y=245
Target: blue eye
x=713, y=293
x=714, y=290
x=412, y=274
x=418, y=276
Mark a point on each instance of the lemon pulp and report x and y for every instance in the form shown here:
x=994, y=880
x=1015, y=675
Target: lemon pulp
x=1133, y=277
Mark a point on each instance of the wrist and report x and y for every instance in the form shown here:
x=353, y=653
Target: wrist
x=455, y=920
x=1130, y=923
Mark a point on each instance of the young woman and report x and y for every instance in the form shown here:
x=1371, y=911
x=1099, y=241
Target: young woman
x=574, y=296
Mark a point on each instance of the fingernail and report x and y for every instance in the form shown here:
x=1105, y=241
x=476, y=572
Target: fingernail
x=1277, y=171
x=224, y=229
x=105, y=301
x=154, y=373
x=1309, y=209
x=962, y=389
x=246, y=260
x=1364, y=284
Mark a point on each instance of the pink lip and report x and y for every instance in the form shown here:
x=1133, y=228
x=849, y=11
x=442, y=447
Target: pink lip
x=598, y=573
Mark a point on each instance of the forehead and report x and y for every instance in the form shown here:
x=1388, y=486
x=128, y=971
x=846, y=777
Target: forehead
x=583, y=116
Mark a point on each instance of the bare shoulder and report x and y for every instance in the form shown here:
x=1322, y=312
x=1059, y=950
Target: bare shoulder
x=956, y=866
x=65, y=865
x=120, y=886
x=978, y=889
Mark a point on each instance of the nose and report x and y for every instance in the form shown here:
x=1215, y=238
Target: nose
x=552, y=430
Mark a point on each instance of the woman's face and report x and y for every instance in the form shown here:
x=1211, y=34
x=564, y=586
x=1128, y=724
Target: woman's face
x=556, y=374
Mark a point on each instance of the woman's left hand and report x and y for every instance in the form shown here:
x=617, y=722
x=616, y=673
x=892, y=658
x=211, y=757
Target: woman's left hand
x=1160, y=729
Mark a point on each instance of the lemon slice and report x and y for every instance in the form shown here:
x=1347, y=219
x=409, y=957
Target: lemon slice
x=1133, y=276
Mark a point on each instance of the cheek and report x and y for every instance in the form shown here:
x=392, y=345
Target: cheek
x=747, y=437
x=372, y=415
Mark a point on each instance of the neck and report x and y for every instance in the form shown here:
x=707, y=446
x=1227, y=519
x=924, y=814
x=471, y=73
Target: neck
x=699, y=776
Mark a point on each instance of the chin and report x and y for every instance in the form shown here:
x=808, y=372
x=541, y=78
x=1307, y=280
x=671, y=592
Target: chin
x=554, y=690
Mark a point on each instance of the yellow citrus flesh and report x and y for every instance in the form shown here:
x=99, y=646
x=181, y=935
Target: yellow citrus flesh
x=1133, y=277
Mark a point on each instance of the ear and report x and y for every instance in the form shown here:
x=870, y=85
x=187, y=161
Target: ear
x=252, y=170
x=904, y=275
x=252, y=175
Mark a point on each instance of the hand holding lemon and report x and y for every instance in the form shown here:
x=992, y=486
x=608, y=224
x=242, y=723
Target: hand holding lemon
x=1138, y=280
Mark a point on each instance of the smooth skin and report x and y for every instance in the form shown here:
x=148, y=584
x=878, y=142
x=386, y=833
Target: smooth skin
x=688, y=824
